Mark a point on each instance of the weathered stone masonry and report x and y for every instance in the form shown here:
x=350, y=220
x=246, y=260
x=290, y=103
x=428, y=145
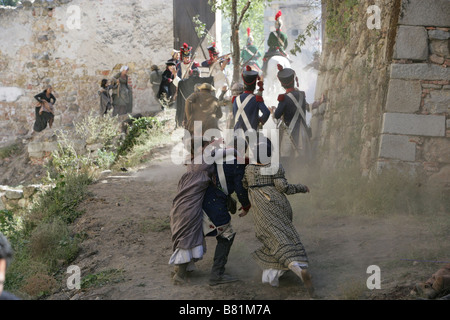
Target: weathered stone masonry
x=415, y=133
x=388, y=93
x=41, y=46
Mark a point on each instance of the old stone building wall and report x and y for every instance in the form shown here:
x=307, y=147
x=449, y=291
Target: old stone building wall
x=72, y=47
x=387, y=91
x=415, y=135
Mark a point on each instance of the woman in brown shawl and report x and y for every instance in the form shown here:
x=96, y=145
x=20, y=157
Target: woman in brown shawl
x=186, y=216
x=282, y=248
x=123, y=95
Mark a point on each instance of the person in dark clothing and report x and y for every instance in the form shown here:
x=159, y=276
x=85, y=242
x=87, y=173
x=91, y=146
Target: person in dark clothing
x=105, y=97
x=155, y=79
x=165, y=89
x=45, y=113
x=277, y=42
x=246, y=107
x=5, y=258
x=291, y=118
x=228, y=175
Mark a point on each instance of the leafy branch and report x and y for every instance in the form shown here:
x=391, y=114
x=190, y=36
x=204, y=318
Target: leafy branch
x=313, y=26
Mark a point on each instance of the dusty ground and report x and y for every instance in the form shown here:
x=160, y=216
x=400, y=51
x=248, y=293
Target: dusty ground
x=119, y=231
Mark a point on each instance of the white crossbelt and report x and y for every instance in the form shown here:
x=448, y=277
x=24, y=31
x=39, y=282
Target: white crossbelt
x=240, y=112
x=298, y=113
x=222, y=179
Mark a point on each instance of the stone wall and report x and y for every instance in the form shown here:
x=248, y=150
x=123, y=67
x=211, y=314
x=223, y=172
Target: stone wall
x=415, y=135
x=353, y=76
x=42, y=46
x=388, y=92
x=20, y=197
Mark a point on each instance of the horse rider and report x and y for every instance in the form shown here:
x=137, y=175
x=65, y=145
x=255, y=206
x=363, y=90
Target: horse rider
x=277, y=42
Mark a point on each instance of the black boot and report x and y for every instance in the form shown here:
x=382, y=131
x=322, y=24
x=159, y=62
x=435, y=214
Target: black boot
x=218, y=275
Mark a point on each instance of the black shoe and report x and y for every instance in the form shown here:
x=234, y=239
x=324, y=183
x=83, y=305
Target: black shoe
x=225, y=278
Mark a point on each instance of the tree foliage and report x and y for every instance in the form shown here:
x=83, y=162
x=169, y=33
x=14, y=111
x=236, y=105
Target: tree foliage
x=11, y=3
x=238, y=13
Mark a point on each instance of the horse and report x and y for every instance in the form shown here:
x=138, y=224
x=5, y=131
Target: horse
x=271, y=83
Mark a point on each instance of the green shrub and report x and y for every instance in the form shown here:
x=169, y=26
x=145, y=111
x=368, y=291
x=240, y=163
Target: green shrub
x=138, y=128
x=52, y=242
x=99, y=129
x=60, y=202
x=102, y=278
x=10, y=150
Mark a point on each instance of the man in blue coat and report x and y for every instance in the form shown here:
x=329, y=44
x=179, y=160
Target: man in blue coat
x=230, y=171
x=291, y=117
x=247, y=106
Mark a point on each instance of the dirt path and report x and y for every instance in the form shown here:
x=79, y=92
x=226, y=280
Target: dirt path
x=119, y=231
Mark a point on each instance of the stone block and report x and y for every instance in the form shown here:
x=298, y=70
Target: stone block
x=413, y=124
x=411, y=43
x=432, y=13
x=438, y=34
x=397, y=147
x=404, y=96
x=28, y=191
x=12, y=194
x=440, y=48
x=437, y=101
x=437, y=150
x=2, y=201
x=419, y=71
x=47, y=146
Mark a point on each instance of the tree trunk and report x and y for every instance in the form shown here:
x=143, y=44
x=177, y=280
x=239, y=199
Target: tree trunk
x=236, y=21
x=236, y=57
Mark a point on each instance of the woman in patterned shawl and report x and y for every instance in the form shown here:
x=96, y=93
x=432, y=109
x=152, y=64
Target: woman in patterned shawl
x=282, y=248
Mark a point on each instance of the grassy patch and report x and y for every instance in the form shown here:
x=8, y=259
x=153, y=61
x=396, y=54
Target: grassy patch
x=10, y=150
x=144, y=135
x=102, y=278
x=43, y=242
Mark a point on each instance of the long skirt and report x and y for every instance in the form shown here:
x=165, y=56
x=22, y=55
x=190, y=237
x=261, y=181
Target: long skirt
x=281, y=244
x=42, y=119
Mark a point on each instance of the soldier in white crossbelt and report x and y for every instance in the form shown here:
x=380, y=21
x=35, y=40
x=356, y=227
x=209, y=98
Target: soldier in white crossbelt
x=247, y=106
x=290, y=114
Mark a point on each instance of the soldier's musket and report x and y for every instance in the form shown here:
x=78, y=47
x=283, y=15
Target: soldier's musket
x=282, y=124
x=222, y=58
